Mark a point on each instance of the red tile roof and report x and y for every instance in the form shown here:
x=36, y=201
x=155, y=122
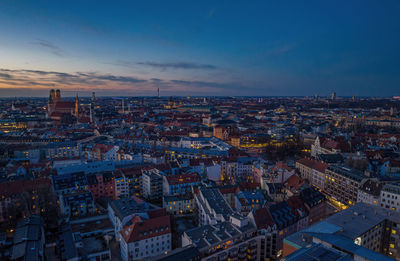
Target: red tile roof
x=262, y=218
x=8, y=189
x=103, y=148
x=307, y=162
x=314, y=164
x=140, y=228
x=294, y=182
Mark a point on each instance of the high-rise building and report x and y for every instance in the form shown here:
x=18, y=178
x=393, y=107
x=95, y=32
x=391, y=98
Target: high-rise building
x=333, y=96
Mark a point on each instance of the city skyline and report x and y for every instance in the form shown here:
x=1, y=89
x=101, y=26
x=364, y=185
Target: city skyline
x=199, y=49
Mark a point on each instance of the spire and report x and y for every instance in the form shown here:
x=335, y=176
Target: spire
x=91, y=115
x=76, y=106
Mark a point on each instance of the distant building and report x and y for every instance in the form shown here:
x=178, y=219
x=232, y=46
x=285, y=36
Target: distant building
x=328, y=146
x=56, y=107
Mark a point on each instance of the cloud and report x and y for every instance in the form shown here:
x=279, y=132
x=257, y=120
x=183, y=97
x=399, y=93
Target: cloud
x=179, y=65
x=282, y=49
x=110, y=84
x=50, y=47
x=37, y=77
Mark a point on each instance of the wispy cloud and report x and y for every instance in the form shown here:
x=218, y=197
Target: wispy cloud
x=179, y=65
x=109, y=83
x=279, y=50
x=50, y=47
x=36, y=78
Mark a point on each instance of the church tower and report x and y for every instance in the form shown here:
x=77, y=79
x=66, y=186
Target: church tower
x=76, y=106
x=58, y=96
x=50, y=103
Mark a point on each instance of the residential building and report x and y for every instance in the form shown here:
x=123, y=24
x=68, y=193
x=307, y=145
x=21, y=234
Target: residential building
x=364, y=231
x=146, y=236
x=120, y=211
x=212, y=206
x=390, y=196
x=179, y=204
x=152, y=184
x=342, y=184
x=180, y=183
x=369, y=192
x=101, y=185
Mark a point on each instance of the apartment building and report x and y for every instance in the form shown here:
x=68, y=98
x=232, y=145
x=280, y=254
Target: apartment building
x=179, y=204
x=369, y=192
x=342, y=184
x=180, y=183
x=146, y=236
x=212, y=206
x=229, y=239
x=364, y=231
x=390, y=196
x=152, y=184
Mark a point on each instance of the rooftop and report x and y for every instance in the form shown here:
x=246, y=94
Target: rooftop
x=127, y=206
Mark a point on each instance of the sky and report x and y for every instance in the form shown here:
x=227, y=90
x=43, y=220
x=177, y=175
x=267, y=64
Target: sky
x=229, y=48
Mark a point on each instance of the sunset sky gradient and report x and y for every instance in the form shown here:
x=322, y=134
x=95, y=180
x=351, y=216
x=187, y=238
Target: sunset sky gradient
x=200, y=47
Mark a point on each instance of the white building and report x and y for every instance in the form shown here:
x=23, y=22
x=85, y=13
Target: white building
x=120, y=211
x=369, y=192
x=390, y=197
x=212, y=206
x=143, y=237
x=152, y=184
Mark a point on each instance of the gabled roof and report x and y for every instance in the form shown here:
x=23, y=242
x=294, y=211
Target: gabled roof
x=262, y=218
x=140, y=228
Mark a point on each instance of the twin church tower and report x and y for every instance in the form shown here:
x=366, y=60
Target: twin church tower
x=56, y=107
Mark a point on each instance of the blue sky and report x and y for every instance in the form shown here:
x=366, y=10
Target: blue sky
x=200, y=47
